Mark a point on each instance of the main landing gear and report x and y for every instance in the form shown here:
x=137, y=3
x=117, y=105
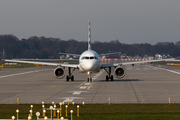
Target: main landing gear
x=109, y=76
x=70, y=76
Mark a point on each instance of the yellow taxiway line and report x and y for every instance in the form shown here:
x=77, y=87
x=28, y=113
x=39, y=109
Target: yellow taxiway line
x=82, y=83
x=89, y=86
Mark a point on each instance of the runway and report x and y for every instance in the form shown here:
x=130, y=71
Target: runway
x=142, y=84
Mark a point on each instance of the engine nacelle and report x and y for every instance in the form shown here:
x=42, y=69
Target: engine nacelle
x=119, y=72
x=59, y=72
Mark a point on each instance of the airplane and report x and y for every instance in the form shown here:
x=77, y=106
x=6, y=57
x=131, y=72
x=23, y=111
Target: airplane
x=89, y=62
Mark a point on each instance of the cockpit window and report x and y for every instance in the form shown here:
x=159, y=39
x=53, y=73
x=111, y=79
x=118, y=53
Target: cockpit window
x=86, y=57
x=91, y=57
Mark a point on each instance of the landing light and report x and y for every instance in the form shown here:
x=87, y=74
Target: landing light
x=88, y=72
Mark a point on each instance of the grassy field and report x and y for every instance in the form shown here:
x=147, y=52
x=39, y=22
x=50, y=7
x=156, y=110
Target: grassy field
x=101, y=111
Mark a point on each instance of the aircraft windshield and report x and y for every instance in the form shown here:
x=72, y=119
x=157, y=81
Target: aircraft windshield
x=87, y=58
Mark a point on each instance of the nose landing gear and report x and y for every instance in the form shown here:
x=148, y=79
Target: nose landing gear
x=89, y=77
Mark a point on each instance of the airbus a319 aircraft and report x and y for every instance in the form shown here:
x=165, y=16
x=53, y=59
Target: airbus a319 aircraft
x=89, y=62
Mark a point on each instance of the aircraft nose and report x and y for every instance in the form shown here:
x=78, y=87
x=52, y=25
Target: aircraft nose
x=90, y=66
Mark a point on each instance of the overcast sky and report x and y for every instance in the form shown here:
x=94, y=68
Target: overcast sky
x=129, y=21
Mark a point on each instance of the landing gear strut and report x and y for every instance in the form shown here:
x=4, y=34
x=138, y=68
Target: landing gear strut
x=109, y=76
x=89, y=78
x=70, y=76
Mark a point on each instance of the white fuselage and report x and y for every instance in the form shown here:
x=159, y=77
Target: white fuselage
x=89, y=61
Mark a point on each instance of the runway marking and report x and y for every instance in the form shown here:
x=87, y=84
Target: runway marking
x=167, y=70
x=77, y=92
x=83, y=87
x=89, y=86
x=19, y=74
x=82, y=83
x=87, y=83
x=52, y=86
x=70, y=98
x=97, y=75
x=170, y=71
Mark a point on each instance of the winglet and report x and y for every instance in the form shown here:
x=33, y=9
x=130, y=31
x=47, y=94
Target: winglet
x=89, y=36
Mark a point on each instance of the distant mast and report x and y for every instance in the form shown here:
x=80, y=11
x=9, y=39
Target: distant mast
x=89, y=36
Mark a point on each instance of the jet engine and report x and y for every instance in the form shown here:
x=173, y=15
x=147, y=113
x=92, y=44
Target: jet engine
x=119, y=72
x=59, y=72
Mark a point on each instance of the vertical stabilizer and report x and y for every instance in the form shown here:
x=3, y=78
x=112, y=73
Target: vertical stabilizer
x=89, y=36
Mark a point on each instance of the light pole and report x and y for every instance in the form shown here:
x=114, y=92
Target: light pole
x=78, y=110
x=83, y=103
x=52, y=102
x=58, y=114
x=66, y=110
x=51, y=108
x=54, y=110
x=29, y=117
x=60, y=107
x=17, y=113
x=45, y=118
x=43, y=110
x=68, y=101
x=31, y=107
x=62, y=118
x=73, y=102
x=30, y=112
x=37, y=114
x=13, y=117
x=71, y=114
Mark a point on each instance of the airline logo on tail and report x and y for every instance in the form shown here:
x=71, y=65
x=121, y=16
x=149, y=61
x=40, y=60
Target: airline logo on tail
x=89, y=36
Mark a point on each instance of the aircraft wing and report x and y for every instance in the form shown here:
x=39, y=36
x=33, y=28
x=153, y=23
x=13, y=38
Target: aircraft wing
x=134, y=62
x=43, y=63
x=109, y=54
x=68, y=54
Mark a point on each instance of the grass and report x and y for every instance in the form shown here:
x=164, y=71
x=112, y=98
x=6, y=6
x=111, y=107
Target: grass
x=101, y=111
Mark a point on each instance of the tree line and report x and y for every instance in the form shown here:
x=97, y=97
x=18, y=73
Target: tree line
x=48, y=48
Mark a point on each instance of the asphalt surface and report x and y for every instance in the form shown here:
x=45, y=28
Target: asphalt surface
x=142, y=84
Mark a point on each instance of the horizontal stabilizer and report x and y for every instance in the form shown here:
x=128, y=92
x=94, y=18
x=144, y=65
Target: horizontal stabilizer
x=69, y=54
x=109, y=54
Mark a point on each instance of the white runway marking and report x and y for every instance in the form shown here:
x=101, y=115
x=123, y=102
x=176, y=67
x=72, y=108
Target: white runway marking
x=19, y=74
x=170, y=71
x=70, y=98
x=77, y=92
x=22, y=73
x=87, y=83
x=83, y=87
x=166, y=70
x=97, y=75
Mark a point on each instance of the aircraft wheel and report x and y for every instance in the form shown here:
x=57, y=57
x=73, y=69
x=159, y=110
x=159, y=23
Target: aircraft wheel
x=67, y=78
x=72, y=78
x=111, y=77
x=107, y=77
x=88, y=79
